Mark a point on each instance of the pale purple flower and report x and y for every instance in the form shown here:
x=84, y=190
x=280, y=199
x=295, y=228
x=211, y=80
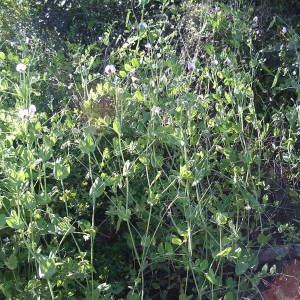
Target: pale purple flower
x=284, y=30
x=132, y=71
x=155, y=110
x=215, y=62
x=21, y=67
x=134, y=79
x=148, y=46
x=37, y=161
x=227, y=61
x=28, y=41
x=191, y=66
x=110, y=69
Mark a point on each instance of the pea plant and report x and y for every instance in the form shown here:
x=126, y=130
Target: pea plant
x=154, y=166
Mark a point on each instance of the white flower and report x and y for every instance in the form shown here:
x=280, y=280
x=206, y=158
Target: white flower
x=110, y=69
x=86, y=237
x=191, y=66
x=21, y=67
x=155, y=110
x=255, y=19
x=215, y=62
x=103, y=287
x=22, y=113
x=31, y=109
x=26, y=112
x=248, y=207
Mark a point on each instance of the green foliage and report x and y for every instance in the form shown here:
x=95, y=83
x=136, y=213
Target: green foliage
x=151, y=166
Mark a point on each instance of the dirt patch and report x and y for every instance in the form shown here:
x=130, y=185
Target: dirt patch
x=286, y=285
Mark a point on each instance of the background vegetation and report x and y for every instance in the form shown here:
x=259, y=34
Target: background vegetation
x=148, y=149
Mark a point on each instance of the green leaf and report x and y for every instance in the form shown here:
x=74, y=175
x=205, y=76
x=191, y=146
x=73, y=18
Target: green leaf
x=241, y=267
x=210, y=276
x=225, y=252
x=144, y=2
x=123, y=73
x=135, y=62
x=12, y=57
x=220, y=75
x=12, y=262
x=60, y=170
x=14, y=221
x=176, y=241
x=139, y=96
x=47, y=267
x=132, y=296
x=221, y=219
x=64, y=227
x=97, y=188
x=203, y=265
x=2, y=220
x=209, y=49
x=168, y=248
x=128, y=17
x=229, y=296
x=87, y=145
x=263, y=239
x=117, y=127
x=145, y=241
x=2, y=55
x=183, y=296
x=276, y=78
x=272, y=23
x=127, y=67
x=228, y=97
x=273, y=270
x=185, y=174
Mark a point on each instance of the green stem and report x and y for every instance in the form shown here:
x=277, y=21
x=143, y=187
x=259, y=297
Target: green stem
x=51, y=290
x=93, y=227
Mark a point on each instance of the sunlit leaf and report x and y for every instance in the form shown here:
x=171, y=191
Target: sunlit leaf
x=12, y=262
